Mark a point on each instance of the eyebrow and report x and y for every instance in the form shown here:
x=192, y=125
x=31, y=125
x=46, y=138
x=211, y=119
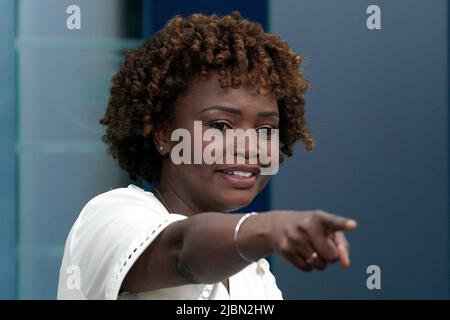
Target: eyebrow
x=263, y=114
x=268, y=114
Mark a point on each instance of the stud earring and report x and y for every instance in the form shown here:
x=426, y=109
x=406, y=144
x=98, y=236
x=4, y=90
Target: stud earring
x=160, y=148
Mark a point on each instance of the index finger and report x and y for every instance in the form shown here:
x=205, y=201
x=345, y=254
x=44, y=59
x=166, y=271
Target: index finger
x=336, y=223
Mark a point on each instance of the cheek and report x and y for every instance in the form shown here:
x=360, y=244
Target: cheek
x=195, y=179
x=197, y=173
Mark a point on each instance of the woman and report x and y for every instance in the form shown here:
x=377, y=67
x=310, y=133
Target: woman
x=178, y=242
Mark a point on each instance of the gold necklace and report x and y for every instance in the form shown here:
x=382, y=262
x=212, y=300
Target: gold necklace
x=162, y=198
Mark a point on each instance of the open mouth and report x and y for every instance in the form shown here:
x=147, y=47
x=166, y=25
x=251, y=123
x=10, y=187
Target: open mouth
x=236, y=173
x=241, y=171
x=240, y=177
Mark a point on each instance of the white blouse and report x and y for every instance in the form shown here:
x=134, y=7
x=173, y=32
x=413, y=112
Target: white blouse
x=113, y=230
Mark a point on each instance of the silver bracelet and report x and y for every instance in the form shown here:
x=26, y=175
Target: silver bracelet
x=236, y=231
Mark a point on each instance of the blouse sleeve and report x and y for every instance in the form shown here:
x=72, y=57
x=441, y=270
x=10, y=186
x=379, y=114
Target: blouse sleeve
x=112, y=231
x=271, y=289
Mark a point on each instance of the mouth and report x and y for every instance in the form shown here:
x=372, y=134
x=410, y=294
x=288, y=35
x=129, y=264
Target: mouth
x=240, y=177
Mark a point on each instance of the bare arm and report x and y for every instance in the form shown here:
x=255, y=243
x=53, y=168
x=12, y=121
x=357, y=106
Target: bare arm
x=201, y=249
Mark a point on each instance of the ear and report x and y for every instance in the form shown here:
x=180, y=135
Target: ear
x=161, y=139
x=159, y=135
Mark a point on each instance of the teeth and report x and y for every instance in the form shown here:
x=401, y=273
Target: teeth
x=240, y=174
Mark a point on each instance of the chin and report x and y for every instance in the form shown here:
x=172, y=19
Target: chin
x=239, y=200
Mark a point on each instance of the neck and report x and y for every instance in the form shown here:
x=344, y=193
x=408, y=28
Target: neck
x=176, y=199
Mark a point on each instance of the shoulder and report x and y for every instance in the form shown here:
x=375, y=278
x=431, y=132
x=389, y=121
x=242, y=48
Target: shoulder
x=111, y=232
x=129, y=196
x=131, y=200
x=121, y=211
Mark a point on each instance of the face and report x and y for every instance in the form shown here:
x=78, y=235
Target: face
x=219, y=187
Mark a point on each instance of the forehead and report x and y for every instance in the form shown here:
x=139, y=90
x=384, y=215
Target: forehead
x=203, y=93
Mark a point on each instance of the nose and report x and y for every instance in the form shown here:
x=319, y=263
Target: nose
x=245, y=148
x=249, y=154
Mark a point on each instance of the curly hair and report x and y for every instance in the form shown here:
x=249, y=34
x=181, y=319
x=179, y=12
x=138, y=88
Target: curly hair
x=156, y=73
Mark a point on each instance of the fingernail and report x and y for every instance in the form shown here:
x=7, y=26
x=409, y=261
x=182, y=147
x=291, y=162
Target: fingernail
x=351, y=223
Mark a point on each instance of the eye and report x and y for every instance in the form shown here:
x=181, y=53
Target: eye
x=220, y=125
x=267, y=130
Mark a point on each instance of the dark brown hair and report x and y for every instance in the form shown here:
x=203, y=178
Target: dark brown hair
x=155, y=74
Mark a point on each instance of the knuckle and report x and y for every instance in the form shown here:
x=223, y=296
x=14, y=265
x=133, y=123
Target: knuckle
x=320, y=216
x=310, y=221
x=316, y=214
x=284, y=249
x=293, y=236
x=321, y=213
x=306, y=227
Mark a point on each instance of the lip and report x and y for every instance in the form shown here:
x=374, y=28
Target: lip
x=240, y=182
